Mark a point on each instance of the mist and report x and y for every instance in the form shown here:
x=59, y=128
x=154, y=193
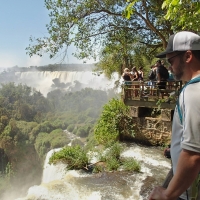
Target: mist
x=74, y=79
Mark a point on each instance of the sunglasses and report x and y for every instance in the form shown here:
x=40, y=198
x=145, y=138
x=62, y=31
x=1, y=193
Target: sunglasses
x=169, y=59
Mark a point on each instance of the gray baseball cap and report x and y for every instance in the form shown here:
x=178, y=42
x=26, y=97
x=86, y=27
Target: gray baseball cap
x=181, y=41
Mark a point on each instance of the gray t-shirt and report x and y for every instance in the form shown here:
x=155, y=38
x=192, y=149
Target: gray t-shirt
x=186, y=135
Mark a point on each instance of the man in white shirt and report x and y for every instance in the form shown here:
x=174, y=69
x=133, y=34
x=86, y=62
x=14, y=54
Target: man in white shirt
x=183, y=53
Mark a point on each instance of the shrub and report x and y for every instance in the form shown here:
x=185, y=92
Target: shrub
x=75, y=157
x=115, y=121
x=76, y=142
x=131, y=164
x=81, y=132
x=42, y=144
x=71, y=127
x=46, y=127
x=58, y=138
x=112, y=164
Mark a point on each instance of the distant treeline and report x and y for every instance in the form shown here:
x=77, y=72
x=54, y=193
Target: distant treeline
x=31, y=125
x=53, y=67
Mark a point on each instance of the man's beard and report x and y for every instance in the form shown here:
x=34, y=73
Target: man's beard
x=179, y=70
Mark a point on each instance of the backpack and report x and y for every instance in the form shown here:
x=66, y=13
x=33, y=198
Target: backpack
x=164, y=72
x=171, y=77
x=152, y=75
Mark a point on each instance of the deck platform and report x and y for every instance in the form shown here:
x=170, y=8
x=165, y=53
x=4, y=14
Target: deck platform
x=143, y=94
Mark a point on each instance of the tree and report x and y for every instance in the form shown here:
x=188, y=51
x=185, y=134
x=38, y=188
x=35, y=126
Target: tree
x=114, y=123
x=183, y=14
x=95, y=26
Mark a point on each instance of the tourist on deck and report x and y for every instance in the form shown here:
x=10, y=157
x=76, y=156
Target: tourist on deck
x=183, y=54
x=152, y=78
x=170, y=80
x=163, y=63
x=162, y=75
x=140, y=74
x=171, y=76
x=134, y=73
x=135, y=86
x=127, y=76
x=152, y=74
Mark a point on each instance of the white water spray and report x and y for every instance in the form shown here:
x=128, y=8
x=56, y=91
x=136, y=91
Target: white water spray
x=59, y=184
x=43, y=81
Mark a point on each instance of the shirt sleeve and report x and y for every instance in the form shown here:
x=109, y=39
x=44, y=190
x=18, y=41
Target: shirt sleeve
x=190, y=108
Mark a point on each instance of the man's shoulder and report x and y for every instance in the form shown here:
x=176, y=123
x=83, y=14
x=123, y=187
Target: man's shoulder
x=190, y=96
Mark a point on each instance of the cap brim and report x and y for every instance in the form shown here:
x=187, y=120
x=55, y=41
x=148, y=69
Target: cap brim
x=163, y=54
x=169, y=48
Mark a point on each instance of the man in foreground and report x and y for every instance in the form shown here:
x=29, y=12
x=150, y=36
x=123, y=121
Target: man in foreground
x=183, y=53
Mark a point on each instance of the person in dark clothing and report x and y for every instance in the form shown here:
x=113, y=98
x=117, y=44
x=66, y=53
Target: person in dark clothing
x=162, y=75
x=134, y=73
x=140, y=74
x=127, y=76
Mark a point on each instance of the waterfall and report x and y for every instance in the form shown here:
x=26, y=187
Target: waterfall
x=60, y=184
x=43, y=80
x=50, y=172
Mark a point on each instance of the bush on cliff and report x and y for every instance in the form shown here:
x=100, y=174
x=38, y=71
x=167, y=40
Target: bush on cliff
x=114, y=122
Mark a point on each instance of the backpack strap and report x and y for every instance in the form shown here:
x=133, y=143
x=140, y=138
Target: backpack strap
x=195, y=80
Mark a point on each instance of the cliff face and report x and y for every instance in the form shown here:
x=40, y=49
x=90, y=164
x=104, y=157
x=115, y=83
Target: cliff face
x=152, y=130
x=23, y=169
x=3, y=160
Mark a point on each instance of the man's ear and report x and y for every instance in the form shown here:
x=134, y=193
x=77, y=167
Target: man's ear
x=188, y=56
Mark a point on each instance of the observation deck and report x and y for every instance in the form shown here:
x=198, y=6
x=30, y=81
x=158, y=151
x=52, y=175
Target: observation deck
x=147, y=94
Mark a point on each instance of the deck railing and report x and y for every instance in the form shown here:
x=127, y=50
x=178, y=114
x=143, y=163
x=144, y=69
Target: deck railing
x=149, y=91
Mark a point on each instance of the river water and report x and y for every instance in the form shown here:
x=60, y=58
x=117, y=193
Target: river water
x=59, y=184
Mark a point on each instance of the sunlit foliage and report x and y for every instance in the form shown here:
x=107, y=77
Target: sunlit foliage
x=114, y=122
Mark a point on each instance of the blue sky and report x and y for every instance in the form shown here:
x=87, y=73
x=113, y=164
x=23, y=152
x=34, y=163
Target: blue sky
x=20, y=19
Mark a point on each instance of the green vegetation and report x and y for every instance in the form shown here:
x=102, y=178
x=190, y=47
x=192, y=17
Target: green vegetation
x=6, y=178
x=114, y=123
x=118, y=33
x=45, y=142
x=31, y=125
x=183, y=13
x=126, y=33
x=76, y=158
x=131, y=164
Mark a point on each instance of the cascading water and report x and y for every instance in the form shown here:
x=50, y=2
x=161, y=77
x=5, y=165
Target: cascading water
x=60, y=184
x=43, y=80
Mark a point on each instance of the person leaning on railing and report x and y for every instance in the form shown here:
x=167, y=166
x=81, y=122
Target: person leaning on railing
x=152, y=78
x=134, y=78
x=162, y=75
x=127, y=76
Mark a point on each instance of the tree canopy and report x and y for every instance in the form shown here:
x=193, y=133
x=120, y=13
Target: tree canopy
x=100, y=29
x=183, y=13
x=115, y=32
